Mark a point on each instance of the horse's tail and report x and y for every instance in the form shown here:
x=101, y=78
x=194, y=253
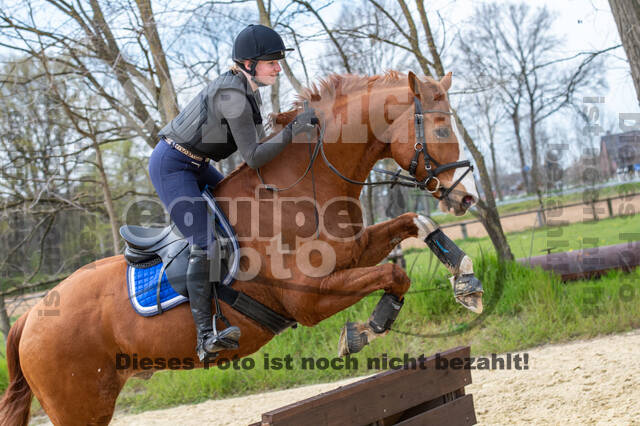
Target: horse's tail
x=16, y=402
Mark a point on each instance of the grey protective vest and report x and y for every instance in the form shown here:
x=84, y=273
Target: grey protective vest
x=202, y=128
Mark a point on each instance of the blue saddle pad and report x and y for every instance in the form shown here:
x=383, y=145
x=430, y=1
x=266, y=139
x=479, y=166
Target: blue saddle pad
x=142, y=283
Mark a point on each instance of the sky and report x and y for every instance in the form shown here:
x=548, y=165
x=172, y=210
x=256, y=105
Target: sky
x=586, y=25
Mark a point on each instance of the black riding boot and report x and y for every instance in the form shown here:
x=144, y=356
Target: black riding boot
x=200, y=289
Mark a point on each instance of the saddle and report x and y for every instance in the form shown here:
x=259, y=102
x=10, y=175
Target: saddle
x=148, y=247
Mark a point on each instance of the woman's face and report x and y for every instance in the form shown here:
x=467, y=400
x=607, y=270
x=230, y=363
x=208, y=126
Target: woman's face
x=266, y=71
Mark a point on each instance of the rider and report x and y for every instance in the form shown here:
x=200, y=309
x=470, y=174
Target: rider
x=223, y=118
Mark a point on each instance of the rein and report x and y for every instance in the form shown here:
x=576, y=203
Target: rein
x=398, y=178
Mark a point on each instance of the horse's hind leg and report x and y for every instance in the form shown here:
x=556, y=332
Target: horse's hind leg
x=379, y=240
x=79, y=391
x=342, y=289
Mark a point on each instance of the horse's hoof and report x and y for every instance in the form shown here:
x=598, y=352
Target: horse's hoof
x=352, y=340
x=472, y=301
x=467, y=290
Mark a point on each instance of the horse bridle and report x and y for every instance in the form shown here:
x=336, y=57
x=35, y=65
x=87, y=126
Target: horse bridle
x=420, y=147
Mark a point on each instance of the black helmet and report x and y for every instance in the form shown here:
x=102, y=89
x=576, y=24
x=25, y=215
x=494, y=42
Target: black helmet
x=258, y=43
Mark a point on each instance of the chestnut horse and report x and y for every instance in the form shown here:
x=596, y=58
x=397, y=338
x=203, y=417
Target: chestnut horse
x=328, y=260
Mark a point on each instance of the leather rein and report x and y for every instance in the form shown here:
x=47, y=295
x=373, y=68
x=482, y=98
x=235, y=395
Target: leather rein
x=420, y=147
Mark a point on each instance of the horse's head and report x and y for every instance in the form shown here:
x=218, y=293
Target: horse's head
x=440, y=147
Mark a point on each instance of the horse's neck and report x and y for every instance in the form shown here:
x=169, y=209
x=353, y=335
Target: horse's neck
x=353, y=159
x=356, y=159
x=356, y=167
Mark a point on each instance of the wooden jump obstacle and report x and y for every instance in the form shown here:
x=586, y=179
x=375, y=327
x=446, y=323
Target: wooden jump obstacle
x=409, y=396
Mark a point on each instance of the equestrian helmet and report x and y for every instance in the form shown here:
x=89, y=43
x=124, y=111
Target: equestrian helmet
x=258, y=43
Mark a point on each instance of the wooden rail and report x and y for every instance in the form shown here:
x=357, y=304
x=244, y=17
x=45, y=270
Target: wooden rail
x=431, y=395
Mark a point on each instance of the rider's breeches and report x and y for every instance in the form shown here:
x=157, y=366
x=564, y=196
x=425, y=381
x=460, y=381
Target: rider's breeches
x=179, y=182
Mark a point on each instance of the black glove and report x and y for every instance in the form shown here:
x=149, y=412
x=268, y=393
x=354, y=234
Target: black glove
x=304, y=122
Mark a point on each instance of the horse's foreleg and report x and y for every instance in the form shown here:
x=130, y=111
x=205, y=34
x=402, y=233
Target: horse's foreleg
x=379, y=239
x=342, y=289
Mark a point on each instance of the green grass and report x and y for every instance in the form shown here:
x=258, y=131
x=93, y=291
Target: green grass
x=523, y=308
x=562, y=238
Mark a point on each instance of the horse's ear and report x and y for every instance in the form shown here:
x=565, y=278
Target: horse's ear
x=413, y=83
x=446, y=82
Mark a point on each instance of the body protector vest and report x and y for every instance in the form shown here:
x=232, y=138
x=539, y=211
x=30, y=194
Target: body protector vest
x=201, y=126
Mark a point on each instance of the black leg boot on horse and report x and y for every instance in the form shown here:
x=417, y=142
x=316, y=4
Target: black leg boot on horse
x=202, y=277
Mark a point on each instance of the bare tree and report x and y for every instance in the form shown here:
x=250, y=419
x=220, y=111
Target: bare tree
x=514, y=45
x=488, y=71
x=128, y=69
x=52, y=173
x=491, y=114
x=394, y=25
x=627, y=16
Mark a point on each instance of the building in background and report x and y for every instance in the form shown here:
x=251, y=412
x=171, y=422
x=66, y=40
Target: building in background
x=620, y=154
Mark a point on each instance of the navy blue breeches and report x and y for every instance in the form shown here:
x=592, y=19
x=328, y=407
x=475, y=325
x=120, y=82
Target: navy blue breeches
x=179, y=182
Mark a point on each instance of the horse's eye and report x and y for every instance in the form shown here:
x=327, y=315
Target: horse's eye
x=438, y=97
x=442, y=132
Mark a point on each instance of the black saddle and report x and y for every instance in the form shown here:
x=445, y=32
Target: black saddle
x=150, y=246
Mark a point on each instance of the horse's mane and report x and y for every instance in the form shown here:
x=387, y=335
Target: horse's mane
x=327, y=88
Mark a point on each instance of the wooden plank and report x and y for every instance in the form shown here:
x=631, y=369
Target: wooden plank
x=376, y=397
x=459, y=412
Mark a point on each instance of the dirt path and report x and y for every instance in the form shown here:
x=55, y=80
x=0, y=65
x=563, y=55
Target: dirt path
x=574, y=214
x=583, y=382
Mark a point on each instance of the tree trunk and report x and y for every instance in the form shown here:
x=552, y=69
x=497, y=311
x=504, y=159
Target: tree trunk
x=369, y=204
x=5, y=321
x=492, y=147
x=516, y=127
x=108, y=200
x=488, y=211
x=168, y=102
x=275, y=96
x=627, y=16
x=535, y=167
x=265, y=19
x=491, y=222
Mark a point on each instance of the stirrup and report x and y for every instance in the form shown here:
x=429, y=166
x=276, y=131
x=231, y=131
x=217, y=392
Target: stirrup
x=211, y=343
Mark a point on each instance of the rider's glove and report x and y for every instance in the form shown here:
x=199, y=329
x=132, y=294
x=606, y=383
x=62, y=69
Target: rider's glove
x=304, y=122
